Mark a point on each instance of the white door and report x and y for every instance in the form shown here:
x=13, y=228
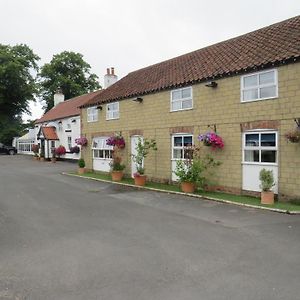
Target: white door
x=260, y=151
x=134, y=142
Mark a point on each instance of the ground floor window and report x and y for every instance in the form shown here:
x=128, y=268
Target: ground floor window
x=260, y=147
x=180, y=145
x=25, y=146
x=100, y=149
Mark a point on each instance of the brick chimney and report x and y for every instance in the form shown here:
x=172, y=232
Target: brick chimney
x=110, y=77
x=58, y=97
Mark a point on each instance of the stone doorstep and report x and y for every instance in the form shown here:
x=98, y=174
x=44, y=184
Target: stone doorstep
x=278, y=210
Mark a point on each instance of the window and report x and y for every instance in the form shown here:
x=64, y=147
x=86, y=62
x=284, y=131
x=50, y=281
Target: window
x=100, y=149
x=180, y=144
x=92, y=114
x=24, y=146
x=60, y=127
x=112, y=111
x=181, y=99
x=68, y=126
x=69, y=142
x=259, y=86
x=260, y=147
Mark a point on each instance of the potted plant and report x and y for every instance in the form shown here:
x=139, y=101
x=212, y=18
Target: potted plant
x=42, y=155
x=81, y=166
x=267, y=182
x=211, y=139
x=193, y=171
x=75, y=149
x=142, y=150
x=116, y=167
x=82, y=141
x=60, y=150
x=35, y=149
x=293, y=136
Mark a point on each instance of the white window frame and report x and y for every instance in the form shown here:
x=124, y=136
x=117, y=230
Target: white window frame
x=259, y=86
x=181, y=100
x=102, y=147
x=92, y=114
x=260, y=148
x=110, y=112
x=182, y=135
x=60, y=126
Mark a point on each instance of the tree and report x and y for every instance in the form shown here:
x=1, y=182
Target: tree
x=18, y=64
x=70, y=73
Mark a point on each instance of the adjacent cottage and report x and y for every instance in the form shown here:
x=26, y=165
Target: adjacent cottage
x=246, y=89
x=60, y=126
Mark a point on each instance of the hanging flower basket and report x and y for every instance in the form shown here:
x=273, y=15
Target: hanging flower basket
x=116, y=140
x=211, y=139
x=293, y=136
x=82, y=141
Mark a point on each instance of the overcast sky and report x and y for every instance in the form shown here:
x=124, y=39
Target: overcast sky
x=131, y=34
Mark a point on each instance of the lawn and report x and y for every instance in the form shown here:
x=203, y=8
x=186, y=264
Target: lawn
x=216, y=195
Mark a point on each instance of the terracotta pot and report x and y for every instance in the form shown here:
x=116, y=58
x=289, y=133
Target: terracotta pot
x=267, y=197
x=42, y=158
x=188, y=187
x=116, y=175
x=81, y=171
x=140, y=180
x=53, y=159
x=35, y=158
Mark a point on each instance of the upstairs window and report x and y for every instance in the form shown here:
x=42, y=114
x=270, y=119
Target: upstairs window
x=92, y=114
x=259, y=86
x=181, y=99
x=112, y=111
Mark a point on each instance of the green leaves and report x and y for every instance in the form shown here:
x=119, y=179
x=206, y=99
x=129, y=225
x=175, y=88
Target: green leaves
x=69, y=72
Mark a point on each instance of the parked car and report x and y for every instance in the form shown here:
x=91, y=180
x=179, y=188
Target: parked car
x=7, y=149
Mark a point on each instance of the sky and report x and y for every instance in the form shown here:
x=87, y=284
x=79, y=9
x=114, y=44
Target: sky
x=131, y=34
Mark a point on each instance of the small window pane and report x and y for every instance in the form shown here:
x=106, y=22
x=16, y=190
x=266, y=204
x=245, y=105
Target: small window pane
x=176, y=105
x=252, y=140
x=268, y=92
x=177, y=153
x=268, y=156
x=186, y=93
x=177, y=141
x=266, y=78
x=268, y=140
x=252, y=155
x=187, y=103
x=250, y=94
x=250, y=81
x=187, y=141
x=176, y=95
x=188, y=153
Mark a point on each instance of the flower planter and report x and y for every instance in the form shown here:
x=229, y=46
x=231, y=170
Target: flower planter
x=53, y=159
x=188, y=187
x=81, y=171
x=267, y=197
x=42, y=158
x=140, y=180
x=116, y=175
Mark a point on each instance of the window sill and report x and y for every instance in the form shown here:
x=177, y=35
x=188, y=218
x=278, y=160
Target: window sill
x=183, y=109
x=256, y=100
x=259, y=163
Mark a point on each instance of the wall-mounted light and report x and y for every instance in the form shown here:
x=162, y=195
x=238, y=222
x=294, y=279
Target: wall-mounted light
x=73, y=121
x=297, y=121
x=99, y=107
x=211, y=84
x=138, y=99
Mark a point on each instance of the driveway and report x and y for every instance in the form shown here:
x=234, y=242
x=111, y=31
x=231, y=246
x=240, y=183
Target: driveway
x=69, y=238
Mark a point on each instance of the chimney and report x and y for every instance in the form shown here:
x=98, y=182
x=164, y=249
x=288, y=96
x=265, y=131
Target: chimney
x=58, y=97
x=110, y=77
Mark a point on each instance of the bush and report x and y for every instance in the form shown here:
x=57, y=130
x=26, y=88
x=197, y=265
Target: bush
x=267, y=180
x=75, y=149
x=60, y=150
x=81, y=163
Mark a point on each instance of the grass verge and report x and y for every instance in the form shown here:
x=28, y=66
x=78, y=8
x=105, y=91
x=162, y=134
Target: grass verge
x=241, y=199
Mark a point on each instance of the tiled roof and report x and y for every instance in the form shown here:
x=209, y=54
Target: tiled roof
x=68, y=108
x=272, y=45
x=50, y=133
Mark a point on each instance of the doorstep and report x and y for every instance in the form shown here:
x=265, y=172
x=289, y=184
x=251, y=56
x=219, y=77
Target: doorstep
x=278, y=210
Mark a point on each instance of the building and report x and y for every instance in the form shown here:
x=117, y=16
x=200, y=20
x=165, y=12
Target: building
x=61, y=124
x=247, y=89
x=25, y=142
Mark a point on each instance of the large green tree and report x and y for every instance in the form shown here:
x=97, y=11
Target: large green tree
x=18, y=66
x=70, y=73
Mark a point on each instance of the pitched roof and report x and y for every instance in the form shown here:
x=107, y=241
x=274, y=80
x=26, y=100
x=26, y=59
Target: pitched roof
x=273, y=45
x=49, y=133
x=68, y=108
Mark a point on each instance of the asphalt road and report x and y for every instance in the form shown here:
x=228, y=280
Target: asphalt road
x=68, y=238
